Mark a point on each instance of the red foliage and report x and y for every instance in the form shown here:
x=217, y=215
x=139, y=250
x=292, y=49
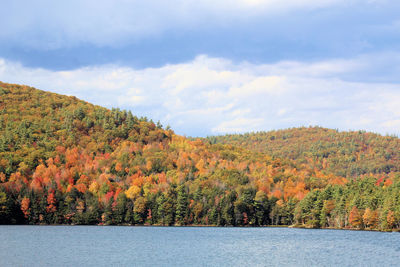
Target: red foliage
x=51, y=201
x=109, y=195
x=117, y=193
x=379, y=181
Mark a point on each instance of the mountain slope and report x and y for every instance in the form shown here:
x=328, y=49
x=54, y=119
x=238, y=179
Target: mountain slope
x=65, y=161
x=347, y=154
x=33, y=123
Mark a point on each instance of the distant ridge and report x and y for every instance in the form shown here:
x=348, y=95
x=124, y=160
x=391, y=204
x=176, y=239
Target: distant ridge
x=344, y=153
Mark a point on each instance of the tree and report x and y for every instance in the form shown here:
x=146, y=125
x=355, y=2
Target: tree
x=119, y=212
x=25, y=207
x=51, y=201
x=370, y=218
x=390, y=218
x=181, y=205
x=355, y=218
x=326, y=211
x=228, y=209
x=168, y=207
x=4, y=208
x=140, y=210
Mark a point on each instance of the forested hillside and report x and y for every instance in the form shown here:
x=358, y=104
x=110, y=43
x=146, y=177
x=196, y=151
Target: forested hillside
x=347, y=154
x=65, y=161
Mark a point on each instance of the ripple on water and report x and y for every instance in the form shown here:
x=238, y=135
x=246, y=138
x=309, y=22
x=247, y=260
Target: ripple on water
x=194, y=246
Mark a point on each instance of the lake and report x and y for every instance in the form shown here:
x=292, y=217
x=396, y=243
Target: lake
x=194, y=246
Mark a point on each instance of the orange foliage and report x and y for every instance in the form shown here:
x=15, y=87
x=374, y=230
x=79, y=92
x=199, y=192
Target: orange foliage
x=390, y=219
x=388, y=182
x=81, y=188
x=370, y=217
x=118, y=167
x=2, y=177
x=277, y=193
x=51, y=201
x=25, y=206
x=355, y=218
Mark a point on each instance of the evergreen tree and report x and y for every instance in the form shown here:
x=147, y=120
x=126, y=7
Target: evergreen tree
x=181, y=205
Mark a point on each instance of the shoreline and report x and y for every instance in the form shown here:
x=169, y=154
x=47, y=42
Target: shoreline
x=214, y=226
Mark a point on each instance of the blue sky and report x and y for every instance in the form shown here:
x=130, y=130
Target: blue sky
x=207, y=67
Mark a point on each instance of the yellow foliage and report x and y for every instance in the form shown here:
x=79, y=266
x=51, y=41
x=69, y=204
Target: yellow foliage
x=94, y=187
x=132, y=192
x=201, y=166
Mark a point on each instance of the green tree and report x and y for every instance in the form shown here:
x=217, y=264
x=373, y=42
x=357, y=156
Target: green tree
x=181, y=205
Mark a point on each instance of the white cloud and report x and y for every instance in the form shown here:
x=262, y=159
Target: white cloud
x=238, y=125
x=213, y=95
x=269, y=85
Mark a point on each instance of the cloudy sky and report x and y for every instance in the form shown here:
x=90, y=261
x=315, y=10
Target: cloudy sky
x=213, y=67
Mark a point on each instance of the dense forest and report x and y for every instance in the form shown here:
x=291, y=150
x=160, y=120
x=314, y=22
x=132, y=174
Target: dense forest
x=346, y=154
x=65, y=161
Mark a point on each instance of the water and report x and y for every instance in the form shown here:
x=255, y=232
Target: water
x=194, y=246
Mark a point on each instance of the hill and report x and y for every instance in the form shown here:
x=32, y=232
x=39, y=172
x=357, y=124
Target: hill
x=347, y=154
x=65, y=161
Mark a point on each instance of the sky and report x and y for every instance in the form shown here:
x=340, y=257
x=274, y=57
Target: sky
x=214, y=67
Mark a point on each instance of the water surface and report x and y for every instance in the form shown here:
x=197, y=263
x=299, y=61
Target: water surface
x=194, y=246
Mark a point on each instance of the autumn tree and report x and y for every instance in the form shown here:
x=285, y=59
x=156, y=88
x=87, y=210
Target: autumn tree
x=25, y=207
x=370, y=218
x=355, y=218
